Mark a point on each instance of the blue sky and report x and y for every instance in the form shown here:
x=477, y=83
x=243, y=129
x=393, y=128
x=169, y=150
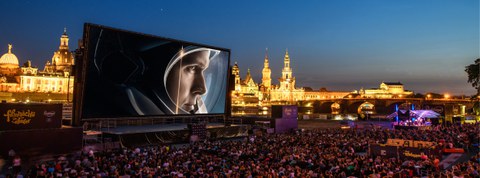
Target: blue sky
x=341, y=45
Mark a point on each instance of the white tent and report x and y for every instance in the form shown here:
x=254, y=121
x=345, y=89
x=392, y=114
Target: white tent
x=418, y=114
x=424, y=113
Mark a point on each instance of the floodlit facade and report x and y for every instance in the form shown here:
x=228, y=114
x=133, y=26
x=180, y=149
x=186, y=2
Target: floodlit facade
x=286, y=91
x=386, y=90
x=54, y=78
x=250, y=98
x=265, y=91
x=245, y=96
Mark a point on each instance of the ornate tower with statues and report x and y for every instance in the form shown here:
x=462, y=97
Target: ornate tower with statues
x=287, y=81
x=286, y=91
x=266, y=73
x=236, y=74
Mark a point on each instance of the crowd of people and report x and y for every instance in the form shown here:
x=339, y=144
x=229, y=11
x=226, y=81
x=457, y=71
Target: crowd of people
x=301, y=153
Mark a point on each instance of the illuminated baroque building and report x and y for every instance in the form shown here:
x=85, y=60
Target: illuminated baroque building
x=250, y=98
x=54, y=78
x=286, y=91
x=386, y=90
x=245, y=97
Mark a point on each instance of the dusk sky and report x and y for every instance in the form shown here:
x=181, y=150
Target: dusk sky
x=339, y=44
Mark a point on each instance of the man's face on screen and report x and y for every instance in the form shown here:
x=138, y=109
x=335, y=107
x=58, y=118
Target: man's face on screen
x=185, y=82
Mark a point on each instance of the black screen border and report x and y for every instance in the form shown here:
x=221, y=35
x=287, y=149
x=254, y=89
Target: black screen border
x=83, y=63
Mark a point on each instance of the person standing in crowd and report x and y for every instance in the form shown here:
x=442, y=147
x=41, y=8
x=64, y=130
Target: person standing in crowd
x=17, y=165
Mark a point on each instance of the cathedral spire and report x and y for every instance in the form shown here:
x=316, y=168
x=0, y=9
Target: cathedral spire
x=286, y=61
x=266, y=54
x=286, y=71
x=9, y=48
x=265, y=63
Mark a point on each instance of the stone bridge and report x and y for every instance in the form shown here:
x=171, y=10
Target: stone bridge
x=382, y=106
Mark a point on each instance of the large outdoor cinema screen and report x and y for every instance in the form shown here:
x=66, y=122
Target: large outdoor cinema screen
x=129, y=74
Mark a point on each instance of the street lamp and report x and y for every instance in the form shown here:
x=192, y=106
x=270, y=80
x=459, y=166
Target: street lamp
x=477, y=112
x=446, y=96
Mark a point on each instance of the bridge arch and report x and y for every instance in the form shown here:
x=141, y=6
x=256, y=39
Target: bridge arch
x=391, y=107
x=335, y=108
x=409, y=106
x=353, y=107
x=366, y=108
x=326, y=107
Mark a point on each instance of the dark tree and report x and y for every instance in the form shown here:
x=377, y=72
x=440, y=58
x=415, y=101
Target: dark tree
x=474, y=75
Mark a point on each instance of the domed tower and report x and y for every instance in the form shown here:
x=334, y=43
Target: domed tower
x=62, y=59
x=266, y=73
x=9, y=63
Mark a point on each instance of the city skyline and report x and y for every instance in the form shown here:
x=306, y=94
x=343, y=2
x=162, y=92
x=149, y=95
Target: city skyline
x=338, y=45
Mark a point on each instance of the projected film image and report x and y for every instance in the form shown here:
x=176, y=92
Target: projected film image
x=131, y=74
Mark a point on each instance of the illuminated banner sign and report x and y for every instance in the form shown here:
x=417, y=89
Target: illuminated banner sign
x=404, y=152
x=19, y=116
x=410, y=143
x=128, y=74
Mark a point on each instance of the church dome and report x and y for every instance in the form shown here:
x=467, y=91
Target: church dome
x=9, y=57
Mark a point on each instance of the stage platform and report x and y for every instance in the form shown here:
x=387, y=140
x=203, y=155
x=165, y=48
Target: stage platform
x=121, y=130
x=401, y=127
x=137, y=135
